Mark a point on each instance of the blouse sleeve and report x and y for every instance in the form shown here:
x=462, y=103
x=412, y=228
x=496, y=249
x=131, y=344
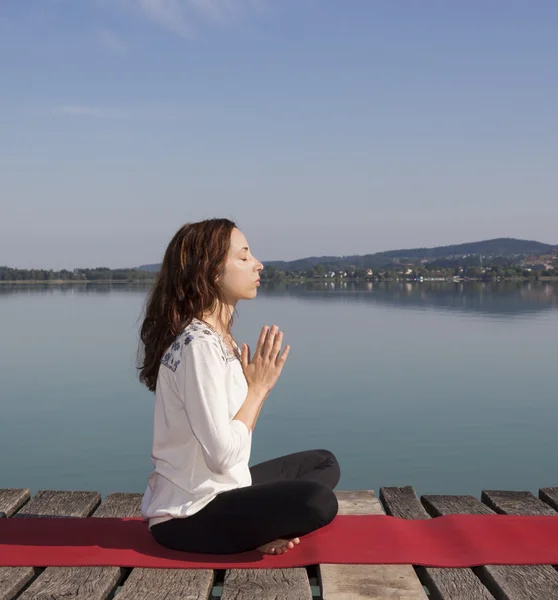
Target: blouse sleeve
x=204, y=393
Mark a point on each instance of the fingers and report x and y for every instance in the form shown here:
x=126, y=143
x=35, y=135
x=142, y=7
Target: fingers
x=269, y=345
x=276, y=346
x=245, y=355
x=269, y=340
x=266, y=350
x=282, y=359
x=261, y=339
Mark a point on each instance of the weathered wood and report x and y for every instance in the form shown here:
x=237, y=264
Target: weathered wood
x=11, y=500
x=48, y=503
x=402, y=502
x=505, y=582
x=339, y=582
x=14, y=579
x=118, y=504
x=83, y=583
x=550, y=496
x=367, y=582
x=155, y=584
x=436, y=505
x=515, y=503
x=267, y=584
x=43, y=504
x=442, y=583
x=167, y=584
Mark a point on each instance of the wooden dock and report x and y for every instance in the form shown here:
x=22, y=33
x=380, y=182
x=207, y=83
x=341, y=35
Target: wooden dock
x=329, y=582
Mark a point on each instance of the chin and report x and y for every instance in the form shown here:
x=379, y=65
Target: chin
x=247, y=295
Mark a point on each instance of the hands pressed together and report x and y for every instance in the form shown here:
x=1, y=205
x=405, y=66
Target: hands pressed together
x=263, y=370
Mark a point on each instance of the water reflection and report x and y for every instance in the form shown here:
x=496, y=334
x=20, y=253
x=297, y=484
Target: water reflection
x=56, y=289
x=492, y=299
x=506, y=299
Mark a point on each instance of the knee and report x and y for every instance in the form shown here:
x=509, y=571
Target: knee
x=326, y=455
x=320, y=502
x=330, y=461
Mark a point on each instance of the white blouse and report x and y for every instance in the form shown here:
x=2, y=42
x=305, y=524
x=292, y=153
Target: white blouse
x=198, y=450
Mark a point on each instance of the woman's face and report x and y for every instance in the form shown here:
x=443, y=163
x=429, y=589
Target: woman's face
x=242, y=270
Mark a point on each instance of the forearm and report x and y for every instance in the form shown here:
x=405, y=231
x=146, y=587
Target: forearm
x=250, y=409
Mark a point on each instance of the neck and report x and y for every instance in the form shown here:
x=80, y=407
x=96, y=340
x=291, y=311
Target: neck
x=213, y=318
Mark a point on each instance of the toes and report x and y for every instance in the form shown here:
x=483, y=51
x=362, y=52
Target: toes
x=284, y=547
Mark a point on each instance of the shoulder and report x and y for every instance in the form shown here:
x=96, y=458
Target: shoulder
x=195, y=339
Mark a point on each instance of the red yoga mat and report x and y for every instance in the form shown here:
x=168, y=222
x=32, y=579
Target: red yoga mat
x=448, y=541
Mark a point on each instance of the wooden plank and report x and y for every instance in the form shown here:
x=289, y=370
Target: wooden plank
x=167, y=584
x=436, y=505
x=442, y=583
x=83, y=583
x=118, y=504
x=48, y=503
x=98, y=583
x=515, y=503
x=550, y=496
x=155, y=584
x=11, y=500
x=505, y=582
x=52, y=504
x=367, y=582
x=14, y=579
x=267, y=584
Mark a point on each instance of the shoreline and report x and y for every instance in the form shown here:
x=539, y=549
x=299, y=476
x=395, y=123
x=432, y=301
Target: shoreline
x=61, y=281
x=286, y=280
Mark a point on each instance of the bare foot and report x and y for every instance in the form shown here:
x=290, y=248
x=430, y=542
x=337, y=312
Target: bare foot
x=279, y=546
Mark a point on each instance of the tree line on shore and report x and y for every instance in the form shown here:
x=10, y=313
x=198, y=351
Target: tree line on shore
x=409, y=272
x=272, y=273
x=97, y=274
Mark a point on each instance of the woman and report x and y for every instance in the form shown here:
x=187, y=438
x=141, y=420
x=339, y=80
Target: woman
x=201, y=495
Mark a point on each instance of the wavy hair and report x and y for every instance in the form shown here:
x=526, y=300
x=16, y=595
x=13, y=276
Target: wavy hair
x=185, y=288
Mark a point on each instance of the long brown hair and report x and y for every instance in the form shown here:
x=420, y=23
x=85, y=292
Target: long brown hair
x=185, y=288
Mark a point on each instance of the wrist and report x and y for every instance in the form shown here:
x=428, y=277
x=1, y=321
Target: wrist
x=259, y=391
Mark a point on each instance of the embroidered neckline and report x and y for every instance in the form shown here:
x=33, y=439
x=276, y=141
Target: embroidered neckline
x=227, y=347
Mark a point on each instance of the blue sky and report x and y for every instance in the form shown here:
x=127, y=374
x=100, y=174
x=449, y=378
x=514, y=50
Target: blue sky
x=319, y=126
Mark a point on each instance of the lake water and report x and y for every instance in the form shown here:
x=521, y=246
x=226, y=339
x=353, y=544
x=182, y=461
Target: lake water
x=450, y=388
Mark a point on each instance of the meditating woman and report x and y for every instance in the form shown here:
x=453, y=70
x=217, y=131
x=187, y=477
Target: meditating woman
x=202, y=496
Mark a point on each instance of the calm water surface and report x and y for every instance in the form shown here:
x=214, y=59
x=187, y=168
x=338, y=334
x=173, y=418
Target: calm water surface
x=450, y=388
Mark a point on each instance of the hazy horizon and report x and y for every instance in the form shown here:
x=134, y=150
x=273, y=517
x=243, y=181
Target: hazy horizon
x=320, y=128
x=135, y=266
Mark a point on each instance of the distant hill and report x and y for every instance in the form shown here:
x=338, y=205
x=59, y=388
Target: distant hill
x=153, y=268
x=499, y=247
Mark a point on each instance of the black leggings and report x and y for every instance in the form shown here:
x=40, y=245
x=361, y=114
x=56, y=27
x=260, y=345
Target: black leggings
x=290, y=496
